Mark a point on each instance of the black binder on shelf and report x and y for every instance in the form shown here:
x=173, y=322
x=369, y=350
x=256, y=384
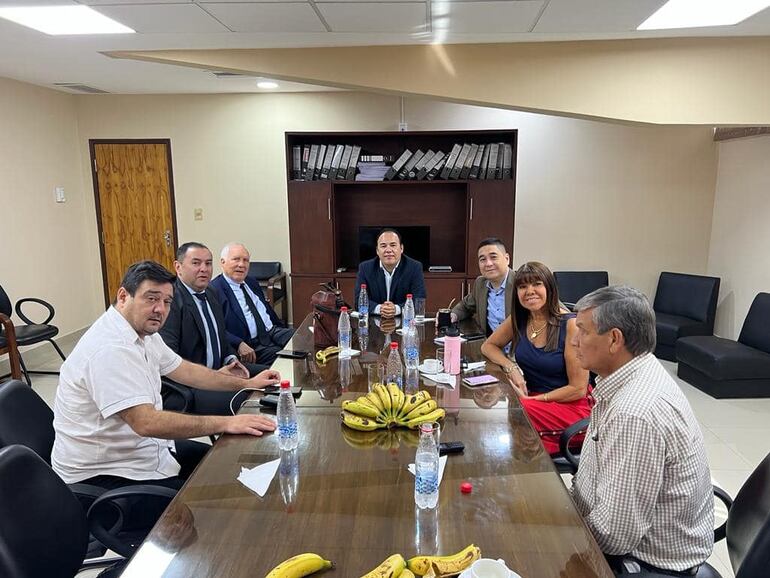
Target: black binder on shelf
x=398, y=165
x=458, y=166
x=319, y=162
x=404, y=172
x=437, y=169
x=296, y=162
x=327, y=164
x=484, y=162
x=305, y=159
x=336, y=160
x=429, y=166
x=342, y=171
x=466, y=170
x=500, y=155
x=420, y=164
x=311, y=163
x=450, y=161
x=353, y=164
x=507, y=158
x=492, y=166
x=476, y=164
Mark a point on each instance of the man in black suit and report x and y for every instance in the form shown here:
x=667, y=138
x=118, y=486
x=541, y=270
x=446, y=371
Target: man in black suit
x=195, y=329
x=251, y=325
x=390, y=276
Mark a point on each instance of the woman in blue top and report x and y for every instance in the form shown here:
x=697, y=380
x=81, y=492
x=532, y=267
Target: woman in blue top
x=552, y=387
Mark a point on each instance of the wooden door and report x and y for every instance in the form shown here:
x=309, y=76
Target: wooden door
x=490, y=214
x=134, y=206
x=441, y=292
x=311, y=235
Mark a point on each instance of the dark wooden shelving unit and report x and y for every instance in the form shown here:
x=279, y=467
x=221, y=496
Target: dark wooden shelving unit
x=325, y=216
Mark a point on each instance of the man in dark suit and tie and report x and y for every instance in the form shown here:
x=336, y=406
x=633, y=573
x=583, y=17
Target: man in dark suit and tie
x=195, y=329
x=390, y=276
x=251, y=325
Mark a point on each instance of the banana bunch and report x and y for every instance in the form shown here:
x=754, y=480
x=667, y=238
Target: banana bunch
x=323, y=355
x=386, y=439
x=386, y=406
x=445, y=565
x=300, y=565
x=391, y=567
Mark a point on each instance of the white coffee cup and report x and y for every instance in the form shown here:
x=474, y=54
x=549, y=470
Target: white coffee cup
x=431, y=365
x=488, y=568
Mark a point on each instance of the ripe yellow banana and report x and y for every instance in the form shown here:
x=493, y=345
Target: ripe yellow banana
x=406, y=574
x=360, y=409
x=382, y=393
x=412, y=401
x=366, y=401
x=453, y=564
x=392, y=567
x=435, y=415
x=424, y=408
x=359, y=422
x=324, y=354
x=299, y=566
x=396, y=398
x=374, y=399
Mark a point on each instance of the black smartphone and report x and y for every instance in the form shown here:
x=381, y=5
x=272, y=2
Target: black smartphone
x=292, y=354
x=473, y=336
x=269, y=401
x=450, y=448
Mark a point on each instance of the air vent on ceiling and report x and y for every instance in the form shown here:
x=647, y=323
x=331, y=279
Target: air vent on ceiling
x=219, y=74
x=80, y=87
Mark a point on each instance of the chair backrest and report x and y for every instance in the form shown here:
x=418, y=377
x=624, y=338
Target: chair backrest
x=748, y=525
x=43, y=530
x=263, y=270
x=754, y=332
x=576, y=284
x=6, y=307
x=25, y=419
x=693, y=296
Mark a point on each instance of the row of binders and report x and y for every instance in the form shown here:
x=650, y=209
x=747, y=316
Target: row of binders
x=464, y=161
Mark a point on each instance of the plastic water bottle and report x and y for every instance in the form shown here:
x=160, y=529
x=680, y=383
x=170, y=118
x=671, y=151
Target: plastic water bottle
x=343, y=332
x=426, y=469
x=363, y=304
x=288, y=477
x=394, y=370
x=411, y=346
x=407, y=311
x=288, y=432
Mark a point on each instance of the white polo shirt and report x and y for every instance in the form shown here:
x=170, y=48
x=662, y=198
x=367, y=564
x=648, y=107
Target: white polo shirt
x=111, y=369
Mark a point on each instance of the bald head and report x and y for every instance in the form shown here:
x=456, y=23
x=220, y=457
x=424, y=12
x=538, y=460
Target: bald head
x=235, y=261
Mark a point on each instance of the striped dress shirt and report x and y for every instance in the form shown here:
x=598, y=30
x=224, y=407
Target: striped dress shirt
x=643, y=485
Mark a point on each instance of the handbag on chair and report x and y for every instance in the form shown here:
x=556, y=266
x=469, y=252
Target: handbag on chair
x=327, y=304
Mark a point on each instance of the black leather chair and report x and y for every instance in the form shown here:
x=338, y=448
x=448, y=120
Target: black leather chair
x=43, y=528
x=726, y=368
x=684, y=305
x=568, y=459
x=576, y=284
x=31, y=333
x=273, y=282
x=8, y=345
x=121, y=518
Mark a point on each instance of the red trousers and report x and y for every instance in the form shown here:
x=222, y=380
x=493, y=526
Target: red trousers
x=550, y=418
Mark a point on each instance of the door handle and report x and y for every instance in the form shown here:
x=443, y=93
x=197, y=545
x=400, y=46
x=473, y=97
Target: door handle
x=167, y=237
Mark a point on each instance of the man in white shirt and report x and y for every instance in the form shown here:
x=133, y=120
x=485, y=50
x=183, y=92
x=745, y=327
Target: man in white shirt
x=643, y=485
x=110, y=427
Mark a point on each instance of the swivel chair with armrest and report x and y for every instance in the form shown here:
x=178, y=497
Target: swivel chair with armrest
x=8, y=345
x=273, y=282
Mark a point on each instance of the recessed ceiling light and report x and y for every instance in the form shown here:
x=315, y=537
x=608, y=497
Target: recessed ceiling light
x=56, y=20
x=699, y=13
x=267, y=84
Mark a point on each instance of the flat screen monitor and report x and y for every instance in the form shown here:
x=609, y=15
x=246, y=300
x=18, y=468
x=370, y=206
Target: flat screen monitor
x=416, y=240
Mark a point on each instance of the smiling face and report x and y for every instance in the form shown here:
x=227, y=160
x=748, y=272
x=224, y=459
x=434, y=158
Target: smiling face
x=236, y=263
x=493, y=263
x=146, y=311
x=389, y=249
x=532, y=294
x=196, y=268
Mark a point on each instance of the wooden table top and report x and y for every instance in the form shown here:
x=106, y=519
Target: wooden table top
x=348, y=496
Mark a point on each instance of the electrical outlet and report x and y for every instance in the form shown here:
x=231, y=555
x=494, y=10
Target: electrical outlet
x=198, y=214
x=58, y=195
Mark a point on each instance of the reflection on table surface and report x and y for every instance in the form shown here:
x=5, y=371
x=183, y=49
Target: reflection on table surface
x=347, y=495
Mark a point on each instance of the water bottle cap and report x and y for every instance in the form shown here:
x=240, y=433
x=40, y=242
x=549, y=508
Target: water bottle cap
x=344, y=309
x=285, y=384
x=363, y=285
x=466, y=487
x=394, y=345
x=426, y=427
x=408, y=295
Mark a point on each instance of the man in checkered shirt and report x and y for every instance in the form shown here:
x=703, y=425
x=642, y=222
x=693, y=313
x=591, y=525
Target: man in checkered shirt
x=643, y=485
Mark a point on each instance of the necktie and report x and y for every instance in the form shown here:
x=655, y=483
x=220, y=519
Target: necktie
x=262, y=336
x=213, y=335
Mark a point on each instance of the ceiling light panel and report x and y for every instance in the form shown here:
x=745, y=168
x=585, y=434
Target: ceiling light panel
x=701, y=13
x=61, y=20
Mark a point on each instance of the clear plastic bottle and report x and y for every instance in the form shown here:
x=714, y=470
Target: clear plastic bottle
x=288, y=431
x=411, y=346
x=407, y=311
x=394, y=370
x=426, y=469
x=363, y=304
x=343, y=333
x=288, y=477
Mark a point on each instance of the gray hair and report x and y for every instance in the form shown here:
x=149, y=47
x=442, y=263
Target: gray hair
x=624, y=308
x=226, y=249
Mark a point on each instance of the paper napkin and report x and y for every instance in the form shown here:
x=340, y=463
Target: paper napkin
x=258, y=479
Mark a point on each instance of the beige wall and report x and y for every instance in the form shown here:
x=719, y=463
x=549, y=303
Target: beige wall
x=44, y=249
x=740, y=235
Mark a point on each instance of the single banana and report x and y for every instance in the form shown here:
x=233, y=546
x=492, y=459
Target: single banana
x=324, y=354
x=412, y=401
x=366, y=401
x=374, y=399
x=301, y=565
x=424, y=408
x=382, y=393
x=435, y=415
x=392, y=567
x=453, y=564
x=406, y=574
x=360, y=409
x=396, y=398
x=359, y=422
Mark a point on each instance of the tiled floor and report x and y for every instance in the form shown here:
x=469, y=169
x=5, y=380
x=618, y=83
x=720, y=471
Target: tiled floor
x=737, y=435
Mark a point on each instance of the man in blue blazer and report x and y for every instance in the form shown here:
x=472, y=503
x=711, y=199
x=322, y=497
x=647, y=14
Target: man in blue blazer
x=251, y=325
x=390, y=276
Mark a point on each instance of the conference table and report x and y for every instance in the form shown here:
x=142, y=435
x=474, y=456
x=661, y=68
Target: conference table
x=348, y=496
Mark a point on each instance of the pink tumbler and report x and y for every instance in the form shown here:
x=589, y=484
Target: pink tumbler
x=452, y=351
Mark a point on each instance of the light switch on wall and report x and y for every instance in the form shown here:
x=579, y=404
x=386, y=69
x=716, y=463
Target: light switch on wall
x=198, y=214
x=58, y=194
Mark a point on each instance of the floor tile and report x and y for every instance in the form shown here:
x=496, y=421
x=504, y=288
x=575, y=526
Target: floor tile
x=723, y=457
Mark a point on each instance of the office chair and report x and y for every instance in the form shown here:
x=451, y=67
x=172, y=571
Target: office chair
x=31, y=333
x=573, y=285
x=567, y=460
x=273, y=283
x=8, y=345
